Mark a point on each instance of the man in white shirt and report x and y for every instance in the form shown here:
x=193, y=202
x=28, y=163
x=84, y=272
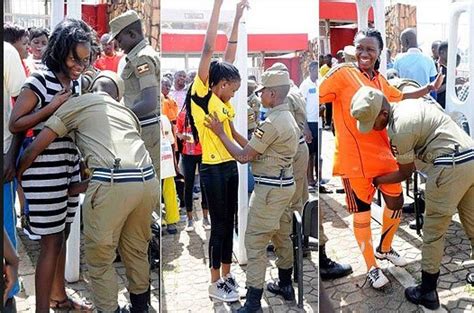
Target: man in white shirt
x=310, y=92
x=13, y=79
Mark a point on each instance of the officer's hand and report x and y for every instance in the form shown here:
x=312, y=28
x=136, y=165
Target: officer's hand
x=241, y=7
x=212, y=122
x=60, y=98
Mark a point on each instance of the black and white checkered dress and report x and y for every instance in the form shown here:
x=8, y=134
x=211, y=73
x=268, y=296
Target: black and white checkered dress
x=46, y=182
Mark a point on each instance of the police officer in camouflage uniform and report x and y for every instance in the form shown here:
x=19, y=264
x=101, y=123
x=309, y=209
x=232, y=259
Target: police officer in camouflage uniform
x=420, y=132
x=141, y=76
x=271, y=149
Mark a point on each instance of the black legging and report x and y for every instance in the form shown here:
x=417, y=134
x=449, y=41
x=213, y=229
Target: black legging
x=220, y=184
x=190, y=162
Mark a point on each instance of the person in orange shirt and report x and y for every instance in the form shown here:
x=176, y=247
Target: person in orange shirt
x=361, y=157
x=169, y=107
x=109, y=58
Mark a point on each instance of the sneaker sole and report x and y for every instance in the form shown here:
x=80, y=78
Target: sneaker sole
x=212, y=298
x=379, y=257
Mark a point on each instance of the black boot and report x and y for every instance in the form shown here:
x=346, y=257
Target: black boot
x=284, y=287
x=425, y=293
x=328, y=269
x=139, y=303
x=252, y=302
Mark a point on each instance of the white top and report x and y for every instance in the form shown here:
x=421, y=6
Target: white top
x=166, y=129
x=309, y=90
x=13, y=78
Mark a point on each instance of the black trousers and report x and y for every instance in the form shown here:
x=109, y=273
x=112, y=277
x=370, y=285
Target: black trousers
x=220, y=184
x=190, y=162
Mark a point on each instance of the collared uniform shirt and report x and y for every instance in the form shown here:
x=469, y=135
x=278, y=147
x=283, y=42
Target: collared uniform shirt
x=104, y=130
x=420, y=130
x=141, y=71
x=276, y=140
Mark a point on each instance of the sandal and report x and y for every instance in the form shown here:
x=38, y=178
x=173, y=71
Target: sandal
x=68, y=304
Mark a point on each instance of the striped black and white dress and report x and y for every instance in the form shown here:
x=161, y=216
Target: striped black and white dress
x=46, y=182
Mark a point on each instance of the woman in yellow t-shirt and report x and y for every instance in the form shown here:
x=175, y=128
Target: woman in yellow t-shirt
x=213, y=87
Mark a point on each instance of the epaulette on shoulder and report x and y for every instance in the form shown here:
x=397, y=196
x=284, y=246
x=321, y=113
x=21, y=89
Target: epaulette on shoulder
x=340, y=66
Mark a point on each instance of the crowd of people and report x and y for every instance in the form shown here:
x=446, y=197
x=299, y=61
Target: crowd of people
x=81, y=118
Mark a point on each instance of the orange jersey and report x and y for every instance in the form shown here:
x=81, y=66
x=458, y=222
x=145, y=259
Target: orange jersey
x=357, y=154
x=169, y=107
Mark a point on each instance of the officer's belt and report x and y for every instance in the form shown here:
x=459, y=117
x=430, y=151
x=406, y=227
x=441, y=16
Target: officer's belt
x=149, y=120
x=455, y=158
x=301, y=140
x=274, y=181
x=123, y=175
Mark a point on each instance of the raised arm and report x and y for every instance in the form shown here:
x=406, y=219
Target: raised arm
x=209, y=42
x=420, y=92
x=231, y=48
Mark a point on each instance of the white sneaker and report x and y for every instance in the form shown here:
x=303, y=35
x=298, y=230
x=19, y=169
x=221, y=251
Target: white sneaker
x=230, y=280
x=376, y=277
x=206, y=224
x=189, y=226
x=221, y=291
x=392, y=256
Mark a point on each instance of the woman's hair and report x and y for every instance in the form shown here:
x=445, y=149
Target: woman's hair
x=189, y=119
x=372, y=32
x=219, y=71
x=64, y=39
x=36, y=32
x=13, y=32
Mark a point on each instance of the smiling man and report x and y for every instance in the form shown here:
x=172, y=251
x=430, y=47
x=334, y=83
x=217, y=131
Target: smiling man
x=422, y=132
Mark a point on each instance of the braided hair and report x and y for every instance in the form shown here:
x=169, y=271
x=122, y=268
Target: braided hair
x=218, y=71
x=372, y=32
x=64, y=39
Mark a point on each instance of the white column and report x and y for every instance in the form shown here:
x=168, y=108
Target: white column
x=379, y=16
x=57, y=12
x=73, y=243
x=240, y=122
x=74, y=9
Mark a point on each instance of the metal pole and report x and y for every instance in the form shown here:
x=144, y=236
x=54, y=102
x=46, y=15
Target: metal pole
x=240, y=122
x=57, y=12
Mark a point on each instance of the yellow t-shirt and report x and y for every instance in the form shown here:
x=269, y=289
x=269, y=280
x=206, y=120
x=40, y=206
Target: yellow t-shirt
x=213, y=150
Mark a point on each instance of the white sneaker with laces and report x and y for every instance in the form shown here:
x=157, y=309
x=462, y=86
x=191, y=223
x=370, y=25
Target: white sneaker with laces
x=220, y=290
x=189, y=226
x=392, y=256
x=376, y=277
x=206, y=224
x=232, y=283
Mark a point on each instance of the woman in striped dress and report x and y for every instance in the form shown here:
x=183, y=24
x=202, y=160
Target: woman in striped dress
x=46, y=183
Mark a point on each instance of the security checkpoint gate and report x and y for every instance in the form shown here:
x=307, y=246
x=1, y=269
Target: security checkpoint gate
x=463, y=109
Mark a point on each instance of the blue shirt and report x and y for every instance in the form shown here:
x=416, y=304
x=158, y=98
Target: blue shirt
x=413, y=64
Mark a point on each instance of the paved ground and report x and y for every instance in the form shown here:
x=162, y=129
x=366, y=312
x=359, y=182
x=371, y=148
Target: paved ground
x=345, y=293
x=29, y=251
x=186, y=276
